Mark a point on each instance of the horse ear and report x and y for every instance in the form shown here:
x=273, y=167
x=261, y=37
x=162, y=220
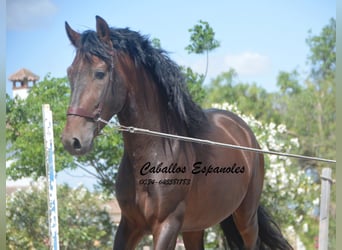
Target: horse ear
x=74, y=36
x=102, y=29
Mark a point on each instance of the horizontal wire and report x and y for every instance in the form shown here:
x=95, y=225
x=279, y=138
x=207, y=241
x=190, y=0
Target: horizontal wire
x=134, y=130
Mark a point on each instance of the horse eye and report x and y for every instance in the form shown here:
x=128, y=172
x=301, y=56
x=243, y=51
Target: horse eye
x=99, y=75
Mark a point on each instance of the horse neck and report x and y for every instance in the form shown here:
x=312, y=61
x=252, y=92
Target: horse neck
x=145, y=107
x=142, y=107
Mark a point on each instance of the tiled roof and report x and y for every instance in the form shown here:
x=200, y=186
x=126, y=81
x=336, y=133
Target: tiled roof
x=23, y=74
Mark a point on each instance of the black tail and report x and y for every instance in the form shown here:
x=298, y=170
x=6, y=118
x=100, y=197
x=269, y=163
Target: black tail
x=270, y=235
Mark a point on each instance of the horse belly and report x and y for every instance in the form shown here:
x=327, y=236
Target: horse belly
x=212, y=199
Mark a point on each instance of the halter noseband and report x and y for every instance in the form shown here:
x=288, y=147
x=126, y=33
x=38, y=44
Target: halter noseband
x=84, y=113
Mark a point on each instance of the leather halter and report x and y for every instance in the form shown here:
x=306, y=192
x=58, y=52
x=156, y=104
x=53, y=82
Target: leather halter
x=95, y=116
x=84, y=113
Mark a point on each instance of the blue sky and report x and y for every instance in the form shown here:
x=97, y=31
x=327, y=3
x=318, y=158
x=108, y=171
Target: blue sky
x=258, y=38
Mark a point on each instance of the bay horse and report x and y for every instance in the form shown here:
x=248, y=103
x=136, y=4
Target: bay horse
x=165, y=187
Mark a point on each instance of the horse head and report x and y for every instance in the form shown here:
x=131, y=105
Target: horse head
x=96, y=88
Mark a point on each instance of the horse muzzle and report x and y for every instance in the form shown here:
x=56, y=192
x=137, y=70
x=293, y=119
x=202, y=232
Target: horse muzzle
x=78, y=138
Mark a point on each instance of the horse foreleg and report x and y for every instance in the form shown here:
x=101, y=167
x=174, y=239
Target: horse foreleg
x=165, y=235
x=193, y=240
x=127, y=236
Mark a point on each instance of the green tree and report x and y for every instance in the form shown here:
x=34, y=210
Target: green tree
x=250, y=98
x=24, y=135
x=322, y=87
x=310, y=113
x=202, y=41
x=289, y=83
x=322, y=55
x=83, y=221
x=24, y=131
x=156, y=43
x=309, y=108
x=194, y=82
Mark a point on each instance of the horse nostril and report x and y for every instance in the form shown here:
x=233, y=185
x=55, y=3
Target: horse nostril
x=76, y=144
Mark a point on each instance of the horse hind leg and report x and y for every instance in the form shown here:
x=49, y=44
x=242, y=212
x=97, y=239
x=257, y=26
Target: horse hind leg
x=242, y=228
x=231, y=233
x=246, y=216
x=193, y=240
x=249, y=230
x=262, y=232
x=250, y=226
x=241, y=233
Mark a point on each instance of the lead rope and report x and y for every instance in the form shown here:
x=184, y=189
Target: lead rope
x=134, y=130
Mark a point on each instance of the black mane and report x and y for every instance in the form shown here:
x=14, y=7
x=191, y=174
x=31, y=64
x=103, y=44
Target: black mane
x=166, y=73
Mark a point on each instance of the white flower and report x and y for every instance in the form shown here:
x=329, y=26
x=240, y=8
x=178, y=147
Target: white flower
x=211, y=236
x=294, y=142
x=273, y=158
x=315, y=202
x=299, y=219
x=271, y=125
x=300, y=190
x=216, y=106
x=82, y=191
x=292, y=177
x=281, y=128
x=288, y=162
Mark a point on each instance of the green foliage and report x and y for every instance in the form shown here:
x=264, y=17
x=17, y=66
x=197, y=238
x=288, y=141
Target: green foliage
x=202, y=38
x=202, y=41
x=104, y=159
x=250, y=98
x=311, y=115
x=321, y=88
x=310, y=111
x=156, y=43
x=194, y=83
x=288, y=82
x=26, y=143
x=25, y=128
x=83, y=224
x=214, y=238
x=315, y=122
x=323, y=52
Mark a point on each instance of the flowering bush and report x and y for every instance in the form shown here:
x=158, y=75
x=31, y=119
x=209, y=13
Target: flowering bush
x=83, y=224
x=289, y=194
